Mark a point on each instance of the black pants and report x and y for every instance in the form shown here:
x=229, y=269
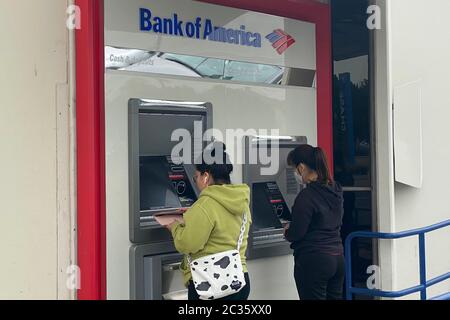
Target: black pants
x=319, y=276
x=240, y=296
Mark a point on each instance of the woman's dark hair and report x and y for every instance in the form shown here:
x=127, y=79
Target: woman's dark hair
x=314, y=158
x=216, y=162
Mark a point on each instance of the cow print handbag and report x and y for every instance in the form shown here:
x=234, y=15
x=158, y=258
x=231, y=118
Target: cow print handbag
x=219, y=275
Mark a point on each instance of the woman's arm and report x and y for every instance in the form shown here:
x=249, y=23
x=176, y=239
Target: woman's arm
x=191, y=236
x=301, y=218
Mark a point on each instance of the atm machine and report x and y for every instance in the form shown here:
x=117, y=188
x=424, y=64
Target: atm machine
x=272, y=196
x=160, y=184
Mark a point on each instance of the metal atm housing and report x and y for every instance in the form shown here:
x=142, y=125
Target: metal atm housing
x=151, y=124
x=157, y=184
x=272, y=197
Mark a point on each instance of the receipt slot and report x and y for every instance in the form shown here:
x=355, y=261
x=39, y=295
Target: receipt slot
x=156, y=276
x=272, y=196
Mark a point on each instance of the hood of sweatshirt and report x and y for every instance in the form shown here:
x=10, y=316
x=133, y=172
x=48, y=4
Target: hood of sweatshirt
x=332, y=195
x=234, y=198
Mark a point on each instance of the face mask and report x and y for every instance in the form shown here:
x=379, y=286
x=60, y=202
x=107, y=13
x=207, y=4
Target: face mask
x=298, y=178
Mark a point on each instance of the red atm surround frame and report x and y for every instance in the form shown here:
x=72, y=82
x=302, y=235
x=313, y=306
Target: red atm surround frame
x=90, y=119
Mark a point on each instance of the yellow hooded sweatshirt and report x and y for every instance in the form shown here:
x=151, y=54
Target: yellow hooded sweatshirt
x=213, y=224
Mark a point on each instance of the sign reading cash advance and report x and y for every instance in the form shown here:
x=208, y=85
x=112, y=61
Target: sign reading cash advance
x=200, y=28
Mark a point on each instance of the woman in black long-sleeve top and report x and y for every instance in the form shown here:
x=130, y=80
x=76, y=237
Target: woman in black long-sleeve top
x=315, y=228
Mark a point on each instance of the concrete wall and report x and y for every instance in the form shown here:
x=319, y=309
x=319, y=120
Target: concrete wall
x=414, y=45
x=421, y=51
x=35, y=165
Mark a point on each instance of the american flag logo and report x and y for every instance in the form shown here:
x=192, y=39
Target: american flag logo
x=280, y=40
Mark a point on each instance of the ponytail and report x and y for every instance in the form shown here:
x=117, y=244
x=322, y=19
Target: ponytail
x=322, y=169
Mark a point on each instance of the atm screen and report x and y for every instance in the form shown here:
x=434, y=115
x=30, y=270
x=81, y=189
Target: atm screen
x=156, y=189
x=269, y=207
x=181, y=183
x=263, y=215
x=277, y=201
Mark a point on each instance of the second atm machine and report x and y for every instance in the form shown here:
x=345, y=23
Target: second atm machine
x=272, y=195
x=158, y=183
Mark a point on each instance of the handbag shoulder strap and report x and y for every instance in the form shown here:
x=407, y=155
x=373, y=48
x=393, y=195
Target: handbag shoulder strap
x=243, y=228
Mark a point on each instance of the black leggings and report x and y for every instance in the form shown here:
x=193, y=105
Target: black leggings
x=319, y=276
x=240, y=296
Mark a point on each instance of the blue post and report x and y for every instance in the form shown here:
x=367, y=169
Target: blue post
x=423, y=266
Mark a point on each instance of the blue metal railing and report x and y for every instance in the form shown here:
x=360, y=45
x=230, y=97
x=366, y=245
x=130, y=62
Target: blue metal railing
x=424, y=283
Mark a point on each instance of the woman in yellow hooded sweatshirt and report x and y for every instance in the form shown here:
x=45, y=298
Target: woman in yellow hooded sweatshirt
x=213, y=223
